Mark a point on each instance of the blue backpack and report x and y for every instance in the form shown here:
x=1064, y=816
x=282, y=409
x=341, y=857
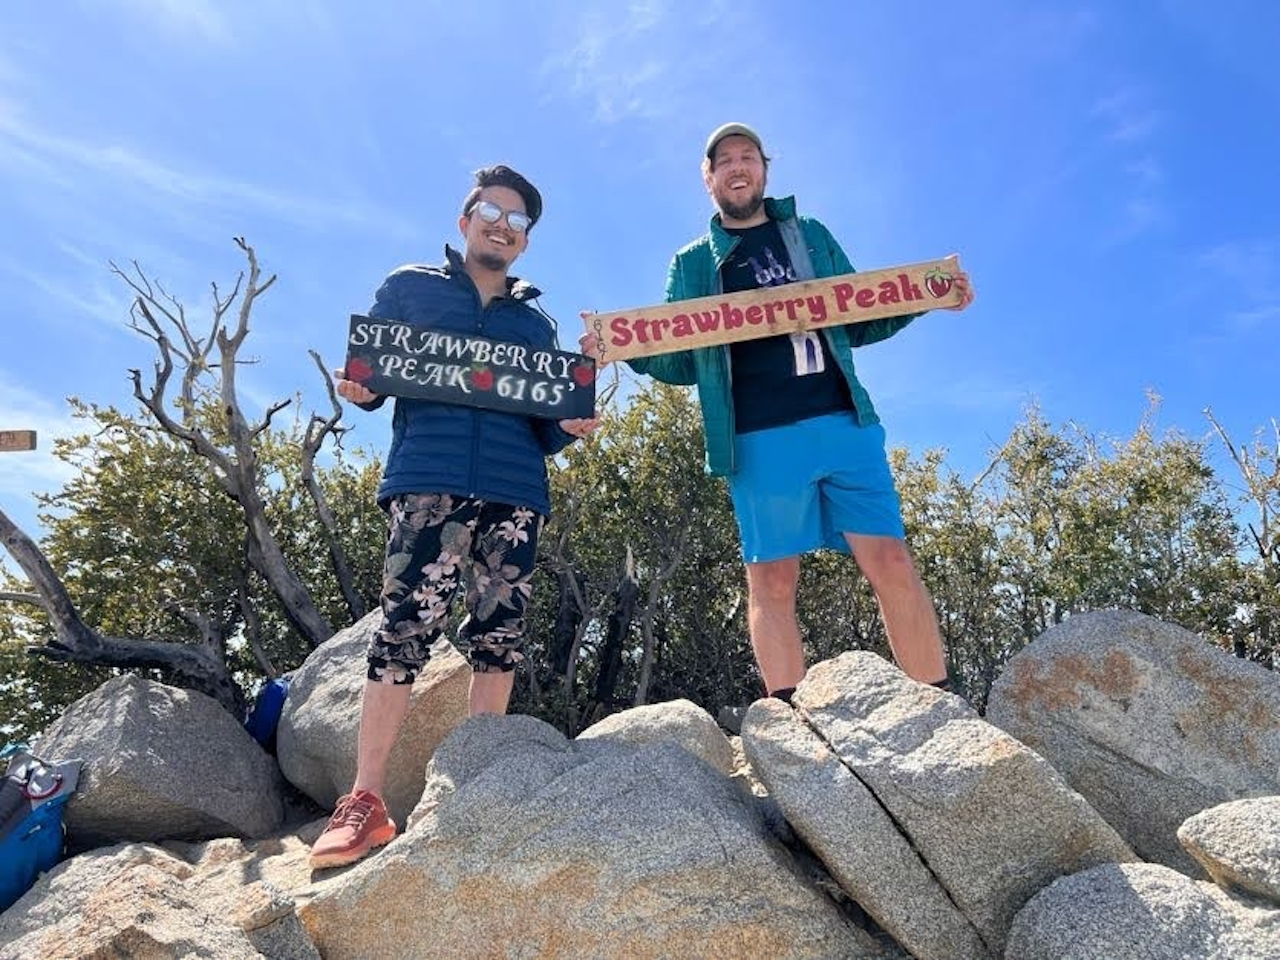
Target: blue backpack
x=33, y=794
x=264, y=717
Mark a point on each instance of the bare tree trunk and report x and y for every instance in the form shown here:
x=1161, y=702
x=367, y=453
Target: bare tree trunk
x=646, y=617
x=646, y=655
x=196, y=667
x=236, y=472
x=253, y=624
x=615, y=639
x=569, y=615
x=317, y=430
x=535, y=685
x=574, y=608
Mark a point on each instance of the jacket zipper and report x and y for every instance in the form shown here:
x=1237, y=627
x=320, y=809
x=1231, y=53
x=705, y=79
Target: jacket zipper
x=733, y=431
x=472, y=472
x=728, y=370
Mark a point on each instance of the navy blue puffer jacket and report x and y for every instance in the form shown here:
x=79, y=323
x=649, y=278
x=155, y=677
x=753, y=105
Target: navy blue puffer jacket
x=443, y=448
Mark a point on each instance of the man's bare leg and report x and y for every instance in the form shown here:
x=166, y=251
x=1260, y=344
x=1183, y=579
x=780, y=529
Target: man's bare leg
x=490, y=692
x=360, y=822
x=909, y=617
x=771, y=618
x=382, y=711
x=384, y=708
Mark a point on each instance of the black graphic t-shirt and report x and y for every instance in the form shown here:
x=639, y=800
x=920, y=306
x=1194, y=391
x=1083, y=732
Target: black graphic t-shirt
x=781, y=379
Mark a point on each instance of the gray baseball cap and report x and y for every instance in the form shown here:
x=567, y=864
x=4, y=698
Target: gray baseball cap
x=732, y=130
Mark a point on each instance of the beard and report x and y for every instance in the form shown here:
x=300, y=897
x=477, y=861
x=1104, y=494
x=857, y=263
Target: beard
x=741, y=211
x=491, y=261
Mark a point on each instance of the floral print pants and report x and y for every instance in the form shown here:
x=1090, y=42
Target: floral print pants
x=435, y=542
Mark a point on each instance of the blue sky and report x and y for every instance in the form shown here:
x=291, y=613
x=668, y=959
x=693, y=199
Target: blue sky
x=1107, y=173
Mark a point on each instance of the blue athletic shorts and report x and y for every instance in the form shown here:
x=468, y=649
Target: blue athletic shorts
x=802, y=486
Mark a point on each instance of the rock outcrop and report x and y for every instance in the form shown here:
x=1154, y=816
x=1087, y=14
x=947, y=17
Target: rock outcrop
x=1146, y=720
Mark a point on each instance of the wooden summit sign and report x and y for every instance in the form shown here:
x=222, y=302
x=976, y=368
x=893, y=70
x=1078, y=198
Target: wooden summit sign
x=394, y=358
x=789, y=308
x=17, y=440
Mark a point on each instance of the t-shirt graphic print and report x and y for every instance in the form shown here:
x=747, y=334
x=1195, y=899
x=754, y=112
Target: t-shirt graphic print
x=765, y=372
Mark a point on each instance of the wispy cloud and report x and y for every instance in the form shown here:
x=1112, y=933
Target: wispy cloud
x=1146, y=171
x=1244, y=277
x=1128, y=126
x=63, y=162
x=611, y=63
x=92, y=298
x=1126, y=117
x=196, y=19
x=1250, y=265
x=1140, y=213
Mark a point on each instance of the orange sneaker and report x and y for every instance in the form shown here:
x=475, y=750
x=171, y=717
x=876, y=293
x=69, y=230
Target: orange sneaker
x=358, y=826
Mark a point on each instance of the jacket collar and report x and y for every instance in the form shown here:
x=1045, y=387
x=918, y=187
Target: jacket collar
x=723, y=242
x=517, y=289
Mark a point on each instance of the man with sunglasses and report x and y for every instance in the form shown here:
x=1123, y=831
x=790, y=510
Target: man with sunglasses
x=789, y=424
x=466, y=491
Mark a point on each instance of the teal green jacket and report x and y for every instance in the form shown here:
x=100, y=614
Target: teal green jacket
x=695, y=272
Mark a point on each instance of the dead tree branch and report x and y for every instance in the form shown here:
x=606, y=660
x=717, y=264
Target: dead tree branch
x=675, y=554
x=161, y=318
x=197, y=667
x=318, y=430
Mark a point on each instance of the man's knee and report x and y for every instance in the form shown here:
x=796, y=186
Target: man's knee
x=774, y=582
x=885, y=559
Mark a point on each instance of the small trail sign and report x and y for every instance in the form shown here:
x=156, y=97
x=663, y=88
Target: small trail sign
x=394, y=358
x=17, y=440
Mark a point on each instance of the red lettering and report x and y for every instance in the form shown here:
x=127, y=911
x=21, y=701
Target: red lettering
x=659, y=326
x=754, y=313
x=910, y=291
x=621, y=331
x=844, y=293
x=866, y=297
x=732, y=316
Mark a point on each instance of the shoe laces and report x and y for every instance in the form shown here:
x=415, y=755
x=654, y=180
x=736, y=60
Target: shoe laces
x=352, y=811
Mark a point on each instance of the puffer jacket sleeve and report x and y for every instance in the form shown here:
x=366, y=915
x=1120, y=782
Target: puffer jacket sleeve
x=861, y=334
x=676, y=368
x=550, y=437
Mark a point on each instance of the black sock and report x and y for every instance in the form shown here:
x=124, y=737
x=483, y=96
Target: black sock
x=784, y=694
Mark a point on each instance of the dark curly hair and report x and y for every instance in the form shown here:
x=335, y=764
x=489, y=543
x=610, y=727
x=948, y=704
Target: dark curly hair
x=500, y=175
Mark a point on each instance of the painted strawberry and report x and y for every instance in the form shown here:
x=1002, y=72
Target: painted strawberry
x=938, y=282
x=583, y=374
x=358, y=369
x=482, y=378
